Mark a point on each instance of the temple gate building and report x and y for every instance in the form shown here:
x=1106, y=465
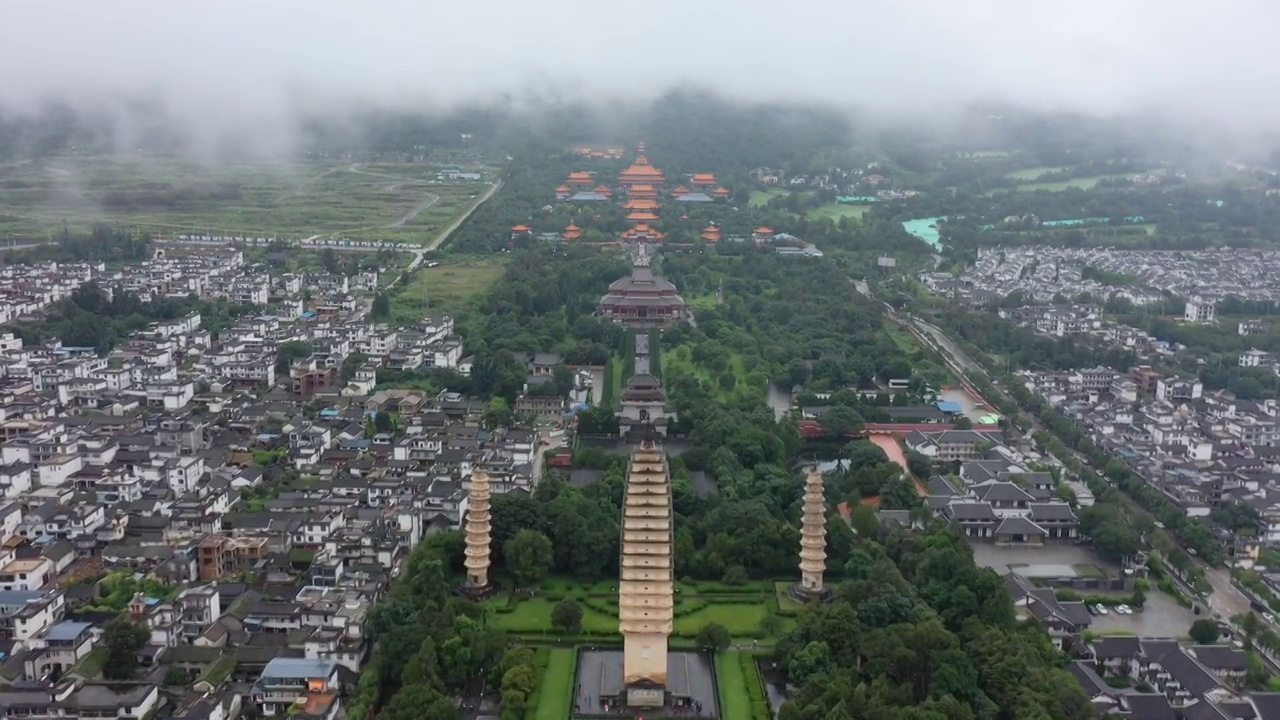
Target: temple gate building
x=643, y=299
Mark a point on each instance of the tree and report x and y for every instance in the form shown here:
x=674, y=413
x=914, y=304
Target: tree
x=290, y=351
x=1205, y=631
x=123, y=638
x=381, y=309
x=567, y=616
x=713, y=637
x=529, y=555
x=418, y=702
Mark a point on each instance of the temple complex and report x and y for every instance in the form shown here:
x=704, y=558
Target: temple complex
x=477, y=537
x=642, y=299
x=645, y=602
x=813, y=541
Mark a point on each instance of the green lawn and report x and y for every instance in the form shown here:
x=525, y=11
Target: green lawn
x=447, y=288
x=835, y=211
x=786, y=603
x=734, y=700
x=739, y=619
x=1089, y=571
x=557, y=684
x=701, y=302
x=533, y=615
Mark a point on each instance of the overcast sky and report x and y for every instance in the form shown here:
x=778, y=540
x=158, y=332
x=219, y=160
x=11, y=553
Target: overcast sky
x=232, y=60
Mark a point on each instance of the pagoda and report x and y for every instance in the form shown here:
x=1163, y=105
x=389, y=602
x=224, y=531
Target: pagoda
x=680, y=190
x=563, y=192
x=711, y=233
x=642, y=299
x=646, y=606
x=813, y=541
x=603, y=190
x=476, y=530
x=641, y=172
x=571, y=232
x=720, y=193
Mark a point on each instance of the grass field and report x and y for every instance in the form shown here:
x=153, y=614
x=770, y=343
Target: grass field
x=388, y=201
x=835, y=211
x=1082, y=183
x=557, y=682
x=1034, y=172
x=762, y=197
x=448, y=287
x=701, y=302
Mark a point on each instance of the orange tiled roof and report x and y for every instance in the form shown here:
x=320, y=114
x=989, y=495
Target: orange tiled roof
x=642, y=204
x=762, y=230
x=704, y=178
x=520, y=228
x=680, y=190
x=720, y=191
x=641, y=216
x=563, y=188
x=711, y=228
x=603, y=189
x=641, y=168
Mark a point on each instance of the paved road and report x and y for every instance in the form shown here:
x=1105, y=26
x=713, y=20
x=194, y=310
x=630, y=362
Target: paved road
x=495, y=187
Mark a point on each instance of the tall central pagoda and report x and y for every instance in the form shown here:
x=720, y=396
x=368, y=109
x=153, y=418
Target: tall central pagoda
x=645, y=601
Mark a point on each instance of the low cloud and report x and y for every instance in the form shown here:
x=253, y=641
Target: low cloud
x=252, y=68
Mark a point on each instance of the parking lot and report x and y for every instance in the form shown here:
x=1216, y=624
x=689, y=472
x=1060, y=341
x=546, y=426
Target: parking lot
x=1162, y=616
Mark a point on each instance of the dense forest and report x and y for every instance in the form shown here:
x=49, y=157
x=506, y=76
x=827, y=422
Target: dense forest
x=918, y=631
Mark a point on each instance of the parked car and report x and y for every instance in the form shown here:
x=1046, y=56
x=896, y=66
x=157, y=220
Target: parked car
x=1102, y=609
x=1124, y=609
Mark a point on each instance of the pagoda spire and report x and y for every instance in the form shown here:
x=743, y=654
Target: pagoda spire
x=813, y=536
x=477, y=534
